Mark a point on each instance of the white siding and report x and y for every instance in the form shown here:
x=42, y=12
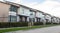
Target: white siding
x=48, y=17
x=12, y=13
x=28, y=19
x=23, y=11
x=32, y=16
x=57, y=20
x=39, y=14
x=18, y=19
x=42, y=17
x=54, y=20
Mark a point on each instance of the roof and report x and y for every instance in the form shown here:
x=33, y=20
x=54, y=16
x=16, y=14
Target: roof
x=31, y=8
x=10, y=3
x=18, y=5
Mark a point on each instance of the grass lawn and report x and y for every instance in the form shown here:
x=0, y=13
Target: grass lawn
x=25, y=28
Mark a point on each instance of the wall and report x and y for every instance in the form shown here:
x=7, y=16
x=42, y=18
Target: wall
x=54, y=20
x=33, y=14
x=23, y=11
x=39, y=15
x=4, y=12
x=48, y=17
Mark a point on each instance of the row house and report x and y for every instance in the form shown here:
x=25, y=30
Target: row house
x=8, y=11
x=32, y=15
x=55, y=19
x=47, y=17
x=23, y=14
x=26, y=13
x=59, y=20
x=12, y=12
x=18, y=13
x=39, y=16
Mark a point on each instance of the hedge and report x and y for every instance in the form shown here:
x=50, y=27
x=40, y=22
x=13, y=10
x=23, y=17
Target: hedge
x=48, y=23
x=38, y=23
x=18, y=24
x=13, y=24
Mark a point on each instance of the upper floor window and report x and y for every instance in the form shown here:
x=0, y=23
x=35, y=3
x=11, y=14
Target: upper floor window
x=13, y=8
x=23, y=11
x=31, y=12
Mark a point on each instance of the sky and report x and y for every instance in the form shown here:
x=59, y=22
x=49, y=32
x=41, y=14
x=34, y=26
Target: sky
x=48, y=6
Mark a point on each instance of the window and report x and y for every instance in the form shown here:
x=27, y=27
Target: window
x=31, y=12
x=23, y=11
x=12, y=18
x=13, y=8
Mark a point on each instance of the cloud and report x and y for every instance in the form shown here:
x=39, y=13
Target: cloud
x=49, y=6
x=1, y=0
x=30, y=4
x=16, y=1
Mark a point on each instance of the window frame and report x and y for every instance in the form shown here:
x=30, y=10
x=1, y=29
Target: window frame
x=13, y=8
x=12, y=20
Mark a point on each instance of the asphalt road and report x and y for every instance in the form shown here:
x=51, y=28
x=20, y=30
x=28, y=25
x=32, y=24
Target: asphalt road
x=54, y=29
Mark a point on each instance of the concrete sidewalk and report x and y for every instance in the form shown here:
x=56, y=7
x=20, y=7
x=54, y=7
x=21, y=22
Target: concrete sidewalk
x=54, y=29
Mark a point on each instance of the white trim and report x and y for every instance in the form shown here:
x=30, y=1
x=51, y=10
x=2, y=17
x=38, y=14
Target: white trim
x=12, y=13
x=18, y=19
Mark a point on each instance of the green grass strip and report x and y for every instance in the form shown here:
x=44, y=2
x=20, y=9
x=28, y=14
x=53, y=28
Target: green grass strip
x=25, y=28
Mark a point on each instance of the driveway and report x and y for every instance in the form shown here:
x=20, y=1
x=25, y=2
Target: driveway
x=54, y=29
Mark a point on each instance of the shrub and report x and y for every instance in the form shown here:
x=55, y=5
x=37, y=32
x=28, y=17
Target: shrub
x=16, y=24
x=48, y=22
x=55, y=23
x=38, y=23
x=12, y=24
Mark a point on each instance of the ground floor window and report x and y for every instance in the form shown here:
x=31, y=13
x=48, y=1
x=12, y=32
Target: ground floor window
x=12, y=18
